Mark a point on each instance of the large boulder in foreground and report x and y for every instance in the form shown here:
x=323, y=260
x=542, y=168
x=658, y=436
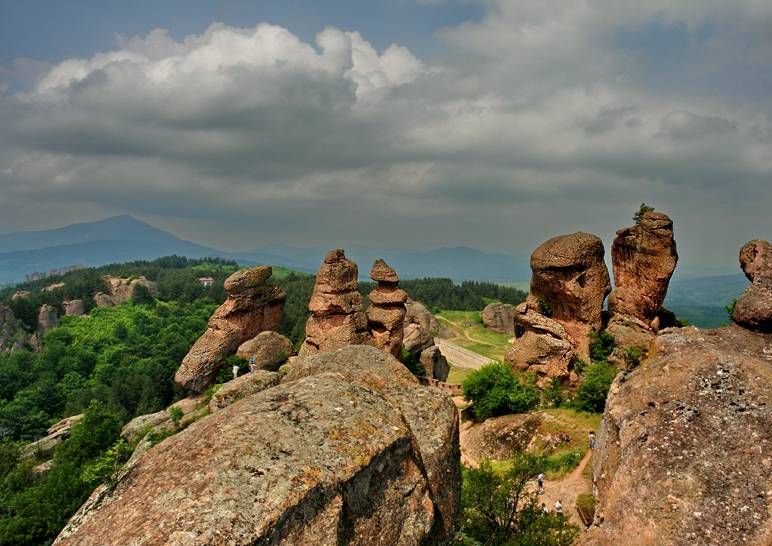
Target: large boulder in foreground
x=643, y=257
x=252, y=307
x=348, y=449
x=754, y=308
x=684, y=451
x=569, y=284
x=337, y=317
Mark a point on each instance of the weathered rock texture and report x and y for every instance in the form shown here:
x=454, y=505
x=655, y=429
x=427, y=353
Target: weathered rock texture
x=47, y=319
x=74, y=308
x=543, y=346
x=120, y=290
x=337, y=318
x=683, y=454
x=569, y=283
x=417, y=313
x=499, y=317
x=252, y=306
x=58, y=433
x=269, y=349
x=754, y=308
x=434, y=363
x=386, y=314
x=416, y=340
x=347, y=450
x=498, y=437
x=241, y=387
x=644, y=257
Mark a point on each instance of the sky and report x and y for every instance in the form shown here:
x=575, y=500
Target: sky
x=413, y=124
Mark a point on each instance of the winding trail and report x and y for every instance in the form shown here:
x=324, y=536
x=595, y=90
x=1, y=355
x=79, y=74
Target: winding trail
x=568, y=489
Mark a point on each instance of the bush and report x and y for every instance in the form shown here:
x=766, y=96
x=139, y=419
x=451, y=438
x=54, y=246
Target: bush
x=496, y=390
x=500, y=509
x=554, y=394
x=413, y=363
x=601, y=345
x=592, y=393
x=633, y=357
x=643, y=209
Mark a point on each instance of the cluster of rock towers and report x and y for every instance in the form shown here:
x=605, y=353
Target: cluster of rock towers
x=569, y=285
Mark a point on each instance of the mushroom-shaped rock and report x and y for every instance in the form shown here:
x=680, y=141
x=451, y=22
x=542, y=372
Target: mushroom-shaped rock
x=644, y=257
x=386, y=314
x=251, y=308
x=753, y=309
x=337, y=318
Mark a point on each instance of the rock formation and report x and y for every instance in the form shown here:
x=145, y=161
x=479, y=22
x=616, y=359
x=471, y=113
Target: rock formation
x=568, y=287
x=499, y=317
x=498, y=437
x=337, y=318
x=386, y=314
x=48, y=318
x=683, y=454
x=644, y=257
x=12, y=334
x=21, y=295
x=269, y=349
x=120, y=290
x=417, y=313
x=252, y=306
x=241, y=387
x=569, y=284
x=74, y=308
x=44, y=448
x=347, y=450
x=434, y=363
x=754, y=308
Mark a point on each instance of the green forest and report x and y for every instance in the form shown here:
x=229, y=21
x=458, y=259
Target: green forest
x=119, y=362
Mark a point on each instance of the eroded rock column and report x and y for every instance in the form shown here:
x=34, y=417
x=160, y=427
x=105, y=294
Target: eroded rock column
x=386, y=313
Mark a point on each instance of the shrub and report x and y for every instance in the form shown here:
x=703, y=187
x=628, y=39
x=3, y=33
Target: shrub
x=554, y=394
x=496, y=390
x=601, y=345
x=175, y=412
x=544, y=306
x=633, y=357
x=500, y=509
x=643, y=209
x=592, y=393
x=105, y=468
x=413, y=363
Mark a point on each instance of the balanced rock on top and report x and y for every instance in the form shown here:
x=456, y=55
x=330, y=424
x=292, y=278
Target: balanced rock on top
x=251, y=307
x=386, y=313
x=337, y=318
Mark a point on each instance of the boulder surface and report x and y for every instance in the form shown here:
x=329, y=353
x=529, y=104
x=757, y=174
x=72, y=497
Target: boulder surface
x=754, y=308
x=386, y=314
x=269, y=349
x=499, y=317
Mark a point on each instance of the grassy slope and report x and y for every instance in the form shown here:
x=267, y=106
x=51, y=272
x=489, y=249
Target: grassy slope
x=469, y=332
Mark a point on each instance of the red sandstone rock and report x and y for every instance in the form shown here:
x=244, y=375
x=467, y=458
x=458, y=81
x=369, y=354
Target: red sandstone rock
x=499, y=317
x=386, y=313
x=754, y=308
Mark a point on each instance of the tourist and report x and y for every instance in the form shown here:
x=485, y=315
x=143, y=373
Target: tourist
x=558, y=507
x=251, y=364
x=592, y=439
x=235, y=371
x=540, y=480
x=544, y=508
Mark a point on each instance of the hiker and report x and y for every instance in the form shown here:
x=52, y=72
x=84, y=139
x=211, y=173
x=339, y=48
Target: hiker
x=251, y=364
x=558, y=507
x=540, y=480
x=544, y=509
x=235, y=371
x=592, y=439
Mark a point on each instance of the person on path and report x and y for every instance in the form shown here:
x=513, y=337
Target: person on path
x=544, y=509
x=235, y=371
x=592, y=439
x=558, y=507
x=540, y=481
x=252, y=364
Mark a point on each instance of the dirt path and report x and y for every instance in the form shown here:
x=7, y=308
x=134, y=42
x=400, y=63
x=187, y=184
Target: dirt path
x=567, y=489
x=461, y=357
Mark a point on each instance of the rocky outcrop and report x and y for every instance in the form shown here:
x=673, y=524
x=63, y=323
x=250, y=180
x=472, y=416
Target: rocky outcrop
x=12, y=334
x=120, y=290
x=74, y=308
x=416, y=340
x=644, y=257
x=754, y=308
x=21, y=295
x=48, y=318
x=44, y=448
x=434, y=363
x=418, y=343
x=252, y=306
x=683, y=454
x=386, y=313
x=242, y=387
x=337, y=318
x=498, y=437
x=499, y=317
x=347, y=450
x=569, y=284
x=417, y=313
x=53, y=287
x=269, y=349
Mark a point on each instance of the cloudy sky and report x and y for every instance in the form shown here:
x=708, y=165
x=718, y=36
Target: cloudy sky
x=402, y=123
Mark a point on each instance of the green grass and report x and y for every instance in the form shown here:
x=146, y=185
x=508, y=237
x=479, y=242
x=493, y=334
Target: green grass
x=280, y=272
x=457, y=375
x=469, y=332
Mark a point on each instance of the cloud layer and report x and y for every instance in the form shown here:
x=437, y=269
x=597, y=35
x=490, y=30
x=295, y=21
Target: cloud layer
x=542, y=118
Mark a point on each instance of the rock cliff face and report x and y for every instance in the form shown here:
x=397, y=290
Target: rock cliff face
x=417, y=313
x=348, y=449
x=386, y=313
x=47, y=319
x=754, y=308
x=337, y=318
x=74, y=308
x=683, y=454
x=12, y=335
x=251, y=307
x=644, y=257
x=499, y=317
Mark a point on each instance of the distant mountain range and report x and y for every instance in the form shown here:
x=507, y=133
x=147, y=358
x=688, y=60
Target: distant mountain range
x=124, y=238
